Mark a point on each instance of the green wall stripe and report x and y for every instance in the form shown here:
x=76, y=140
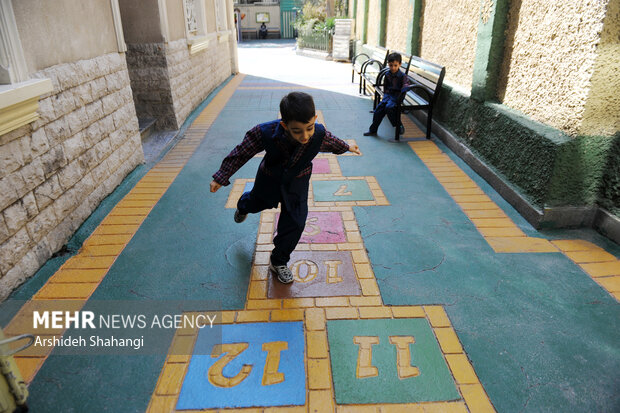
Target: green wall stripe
x=382, y=23
x=413, y=28
x=489, y=50
x=365, y=32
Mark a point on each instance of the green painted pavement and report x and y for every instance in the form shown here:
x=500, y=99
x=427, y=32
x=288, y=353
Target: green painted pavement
x=433, y=383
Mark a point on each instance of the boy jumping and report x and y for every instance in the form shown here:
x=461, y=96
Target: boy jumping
x=395, y=83
x=284, y=174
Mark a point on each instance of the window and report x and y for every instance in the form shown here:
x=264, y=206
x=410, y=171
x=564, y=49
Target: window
x=220, y=15
x=195, y=25
x=19, y=95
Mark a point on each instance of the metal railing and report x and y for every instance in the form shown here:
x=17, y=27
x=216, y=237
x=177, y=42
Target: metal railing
x=315, y=40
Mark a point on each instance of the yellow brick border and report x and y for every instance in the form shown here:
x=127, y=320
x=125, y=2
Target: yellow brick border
x=501, y=233
x=601, y=266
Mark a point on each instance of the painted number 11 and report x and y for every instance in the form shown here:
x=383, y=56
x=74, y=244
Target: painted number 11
x=403, y=356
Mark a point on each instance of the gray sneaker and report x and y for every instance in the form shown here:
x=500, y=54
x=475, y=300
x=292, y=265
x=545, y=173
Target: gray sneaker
x=239, y=217
x=285, y=276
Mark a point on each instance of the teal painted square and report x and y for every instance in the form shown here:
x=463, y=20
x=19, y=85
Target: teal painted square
x=434, y=382
x=345, y=190
x=199, y=393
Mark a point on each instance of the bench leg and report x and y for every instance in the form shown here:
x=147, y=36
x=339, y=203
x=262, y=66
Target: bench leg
x=352, y=75
x=429, y=123
x=397, y=132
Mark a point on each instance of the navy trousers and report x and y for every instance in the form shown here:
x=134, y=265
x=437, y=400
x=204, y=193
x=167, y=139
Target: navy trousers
x=387, y=106
x=293, y=214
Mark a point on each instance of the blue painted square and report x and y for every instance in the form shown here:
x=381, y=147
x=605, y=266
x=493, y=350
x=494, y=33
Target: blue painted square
x=248, y=187
x=198, y=392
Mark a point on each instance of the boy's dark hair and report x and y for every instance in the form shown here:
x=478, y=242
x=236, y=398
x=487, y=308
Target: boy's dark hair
x=395, y=57
x=298, y=106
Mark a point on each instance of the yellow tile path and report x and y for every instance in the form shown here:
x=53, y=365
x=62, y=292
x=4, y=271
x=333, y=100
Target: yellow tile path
x=501, y=233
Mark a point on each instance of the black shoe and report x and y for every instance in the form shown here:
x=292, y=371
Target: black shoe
x=285, y=276
x=401, y=130
x=239, y=217
x=370, y=133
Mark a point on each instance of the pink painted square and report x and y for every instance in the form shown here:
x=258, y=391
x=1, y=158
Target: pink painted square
x=321, y=166
x=322, y=228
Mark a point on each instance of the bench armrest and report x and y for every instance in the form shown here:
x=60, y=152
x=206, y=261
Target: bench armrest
x=356, y=56
x=370, y=62
x=420, y=87
x=380, y=76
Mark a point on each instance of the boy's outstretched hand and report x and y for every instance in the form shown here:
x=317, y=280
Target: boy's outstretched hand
x=215, y=186
x=355, y=149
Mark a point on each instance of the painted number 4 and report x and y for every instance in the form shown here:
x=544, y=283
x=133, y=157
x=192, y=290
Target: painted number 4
x=403, y=356
x=271, y=375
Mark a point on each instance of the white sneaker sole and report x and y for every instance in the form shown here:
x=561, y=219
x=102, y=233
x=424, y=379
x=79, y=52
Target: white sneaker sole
x=273, y=269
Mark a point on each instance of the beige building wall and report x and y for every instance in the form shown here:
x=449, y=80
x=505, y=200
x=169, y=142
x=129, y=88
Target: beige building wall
x=448, y=37
x=399, y=15
x=176, y=18
x=602, y=112
x=359, y=23
x=211, y=24
x=138, y=17
x=47, y=41
x=550, y=59
x=56, y=170
x=374, y=17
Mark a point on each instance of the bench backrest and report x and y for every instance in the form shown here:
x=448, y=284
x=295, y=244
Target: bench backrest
x=377, y=53
x=380, y=54
x=428, y=74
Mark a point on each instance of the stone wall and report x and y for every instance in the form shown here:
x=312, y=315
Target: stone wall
x=168, y=83
x=399, y=15
x=449, y=35
x=55, y=171
x=549, y=59
x=193, y=77
x=150, y=83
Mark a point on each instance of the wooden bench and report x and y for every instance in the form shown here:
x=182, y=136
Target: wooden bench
x=249, y=34
x=425, y=80
x=368, y=65
x=273, y=33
